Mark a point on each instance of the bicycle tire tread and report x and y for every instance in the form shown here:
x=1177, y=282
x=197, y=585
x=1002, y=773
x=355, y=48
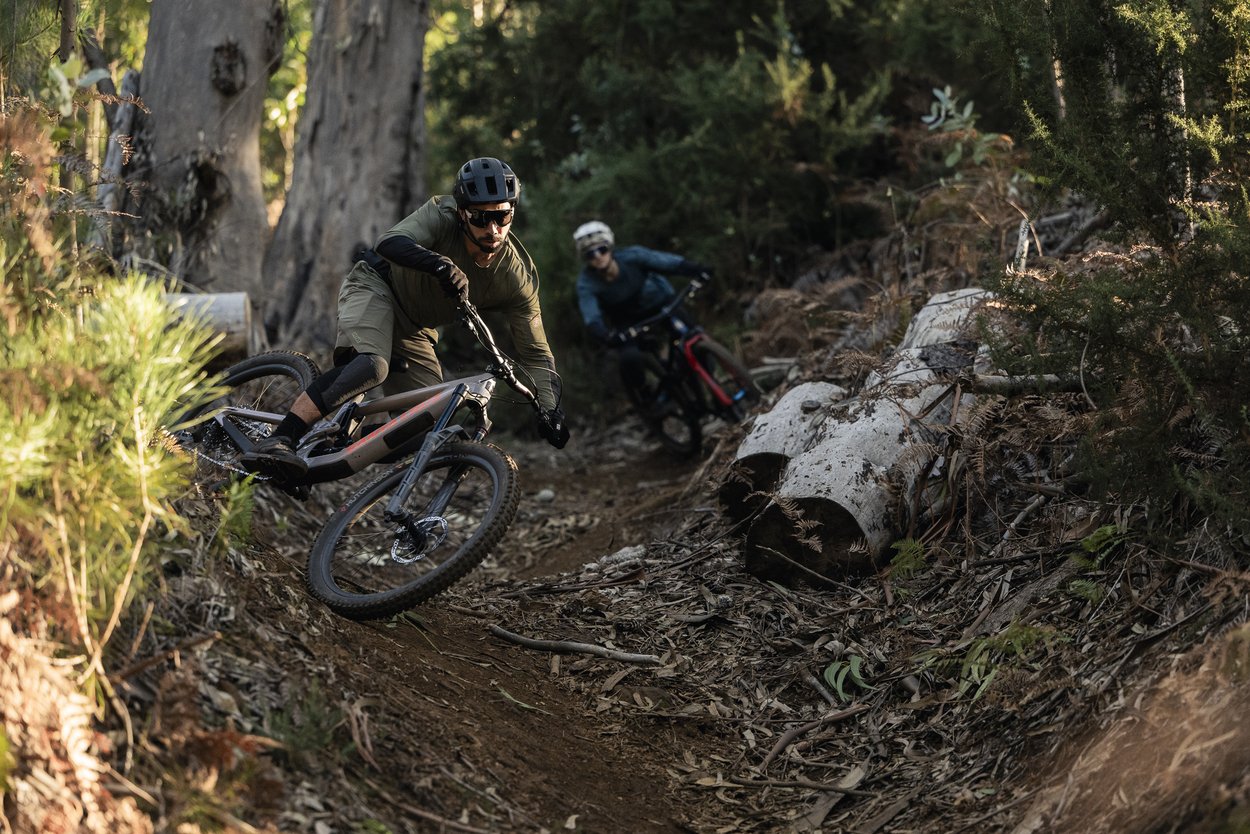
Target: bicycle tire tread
x=385, y=604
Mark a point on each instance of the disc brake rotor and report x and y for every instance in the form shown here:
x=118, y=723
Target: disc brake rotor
x=416, y=539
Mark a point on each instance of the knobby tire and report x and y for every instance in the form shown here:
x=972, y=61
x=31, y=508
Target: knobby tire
x=353, y=567
x=730, y=374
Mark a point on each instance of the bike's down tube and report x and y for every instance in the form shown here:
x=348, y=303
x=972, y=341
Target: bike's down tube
x=422, y=408
x=712, y=385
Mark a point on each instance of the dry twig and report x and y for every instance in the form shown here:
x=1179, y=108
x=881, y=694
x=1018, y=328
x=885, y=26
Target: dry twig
x=565, y=646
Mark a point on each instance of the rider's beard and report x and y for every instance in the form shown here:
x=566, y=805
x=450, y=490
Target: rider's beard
x=490, y=244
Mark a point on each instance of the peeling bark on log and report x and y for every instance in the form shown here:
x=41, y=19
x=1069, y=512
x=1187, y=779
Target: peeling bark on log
x=840, y=487
x=775, y=438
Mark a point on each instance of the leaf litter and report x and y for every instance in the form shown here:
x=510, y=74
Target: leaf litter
x=1035, y=663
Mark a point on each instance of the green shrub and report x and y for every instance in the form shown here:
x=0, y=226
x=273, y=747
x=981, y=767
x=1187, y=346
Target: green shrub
x=1156, y=326
x=93, y=367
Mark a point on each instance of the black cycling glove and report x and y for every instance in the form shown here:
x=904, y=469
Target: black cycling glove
x=599, y=332
x=453, y=280
x=552, y=427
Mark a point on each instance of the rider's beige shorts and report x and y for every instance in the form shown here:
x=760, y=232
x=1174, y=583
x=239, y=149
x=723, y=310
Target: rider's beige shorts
x=370, y=321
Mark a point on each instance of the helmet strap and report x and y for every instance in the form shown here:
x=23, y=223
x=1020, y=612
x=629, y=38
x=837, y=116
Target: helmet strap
x=464, y=230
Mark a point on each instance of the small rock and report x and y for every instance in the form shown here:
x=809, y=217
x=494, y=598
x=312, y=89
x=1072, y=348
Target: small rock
x=545, y=496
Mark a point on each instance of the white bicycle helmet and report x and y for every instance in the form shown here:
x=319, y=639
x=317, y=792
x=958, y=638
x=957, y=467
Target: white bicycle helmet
x=592, y=234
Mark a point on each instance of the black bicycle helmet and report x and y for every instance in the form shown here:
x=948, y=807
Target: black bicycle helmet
x=485, y=180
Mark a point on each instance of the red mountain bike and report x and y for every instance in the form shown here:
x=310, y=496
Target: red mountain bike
x=689, y=376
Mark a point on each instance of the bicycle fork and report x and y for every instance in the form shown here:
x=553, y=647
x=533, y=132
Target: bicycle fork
x=437, y=437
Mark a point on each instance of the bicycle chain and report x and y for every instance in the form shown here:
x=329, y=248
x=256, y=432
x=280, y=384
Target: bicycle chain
x=197, y=449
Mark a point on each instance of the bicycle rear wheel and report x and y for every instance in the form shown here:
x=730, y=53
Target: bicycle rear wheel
x=729, y=376
x=267, y=383
x=365, y=566
x=667, y=410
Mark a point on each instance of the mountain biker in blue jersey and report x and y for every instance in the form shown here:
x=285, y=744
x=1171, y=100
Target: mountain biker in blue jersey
x=411, y=283
x=619, y=287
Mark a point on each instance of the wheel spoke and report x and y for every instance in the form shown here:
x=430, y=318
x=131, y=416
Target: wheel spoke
x=368, y=564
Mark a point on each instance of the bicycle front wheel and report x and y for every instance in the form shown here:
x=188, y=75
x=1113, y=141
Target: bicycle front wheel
x=365, y=565
x=732, y=389
x=667, y=410
x=266, y=385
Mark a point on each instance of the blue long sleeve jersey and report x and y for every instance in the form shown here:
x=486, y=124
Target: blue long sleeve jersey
x=638, y=291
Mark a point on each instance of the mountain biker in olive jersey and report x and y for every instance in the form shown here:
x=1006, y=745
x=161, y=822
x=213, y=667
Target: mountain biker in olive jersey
x=398, y=293
x=618, y=287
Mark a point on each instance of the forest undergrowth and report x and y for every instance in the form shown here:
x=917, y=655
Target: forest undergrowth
x=1044, y=656
x=1030, y=654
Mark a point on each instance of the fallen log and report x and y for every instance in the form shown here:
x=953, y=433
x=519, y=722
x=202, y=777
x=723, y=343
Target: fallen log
x=228, y=313
x=775, y=438
x=833, y=489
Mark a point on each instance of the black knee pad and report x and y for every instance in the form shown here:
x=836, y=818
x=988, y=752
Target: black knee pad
x=340, y=384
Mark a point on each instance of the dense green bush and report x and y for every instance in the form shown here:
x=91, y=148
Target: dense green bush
x=702, y=128
x=93, y=367
x=1153, y=129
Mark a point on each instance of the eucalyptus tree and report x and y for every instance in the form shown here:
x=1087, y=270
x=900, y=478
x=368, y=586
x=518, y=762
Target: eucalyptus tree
x=197, y=162
x=358, y=157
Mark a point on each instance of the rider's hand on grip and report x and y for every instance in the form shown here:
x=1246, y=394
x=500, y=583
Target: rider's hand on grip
x=453, y=280
x=552, y=427
x=600, y=333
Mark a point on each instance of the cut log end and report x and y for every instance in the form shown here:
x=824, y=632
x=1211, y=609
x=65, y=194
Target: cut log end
x=229, y=314
x=750, y=481
x=808, y=540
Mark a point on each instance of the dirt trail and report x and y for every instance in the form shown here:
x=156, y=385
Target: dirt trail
x=430, y=723
x=446, y=726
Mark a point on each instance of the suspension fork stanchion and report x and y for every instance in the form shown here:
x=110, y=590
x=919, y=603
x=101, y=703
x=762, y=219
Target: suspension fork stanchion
x=436, y=437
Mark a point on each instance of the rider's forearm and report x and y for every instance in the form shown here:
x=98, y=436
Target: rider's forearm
x=406, y=252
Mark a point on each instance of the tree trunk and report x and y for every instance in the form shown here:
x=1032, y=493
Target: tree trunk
x=116, y=156
x=358, y=158
x=69, y=29
x=831, y=484
x=204, y=81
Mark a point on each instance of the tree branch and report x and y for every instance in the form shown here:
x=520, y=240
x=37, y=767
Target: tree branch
x=565, y=646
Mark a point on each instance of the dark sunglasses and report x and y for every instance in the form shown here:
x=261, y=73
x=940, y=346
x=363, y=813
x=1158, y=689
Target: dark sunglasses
x=482, y=218
x=591, y=254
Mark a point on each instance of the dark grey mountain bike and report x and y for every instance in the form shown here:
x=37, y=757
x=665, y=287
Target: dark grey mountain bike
x=414, y=530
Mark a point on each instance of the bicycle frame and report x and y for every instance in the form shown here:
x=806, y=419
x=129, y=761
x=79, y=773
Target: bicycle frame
x=423, y=424
x=718, y=393
x=682, y=342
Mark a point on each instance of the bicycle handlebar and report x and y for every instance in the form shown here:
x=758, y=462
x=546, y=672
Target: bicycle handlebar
x=638, y=328
x=502, y=366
